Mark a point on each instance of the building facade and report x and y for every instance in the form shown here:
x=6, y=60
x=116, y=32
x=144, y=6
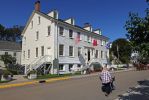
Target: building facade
x=46, y=38
x=10, y=48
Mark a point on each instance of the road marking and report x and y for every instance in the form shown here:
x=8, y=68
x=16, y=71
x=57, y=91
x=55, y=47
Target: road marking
x=32, y=82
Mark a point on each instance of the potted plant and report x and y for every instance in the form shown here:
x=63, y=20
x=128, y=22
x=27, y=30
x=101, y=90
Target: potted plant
x=32, y=74
x=5, y=75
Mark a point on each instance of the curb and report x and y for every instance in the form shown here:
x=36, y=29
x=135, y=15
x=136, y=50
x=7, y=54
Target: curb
x=33, y=82
x=48, y=80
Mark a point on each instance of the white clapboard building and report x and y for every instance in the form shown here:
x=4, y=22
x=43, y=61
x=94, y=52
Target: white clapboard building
x=55, y=45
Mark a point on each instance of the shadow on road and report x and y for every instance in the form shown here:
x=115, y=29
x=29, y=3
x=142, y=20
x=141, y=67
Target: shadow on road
x=141, y=92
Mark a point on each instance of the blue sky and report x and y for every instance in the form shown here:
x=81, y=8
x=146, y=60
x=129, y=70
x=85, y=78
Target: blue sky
x=109, y=15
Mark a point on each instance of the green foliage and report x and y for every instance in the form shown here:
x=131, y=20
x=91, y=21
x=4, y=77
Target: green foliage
x=138, y=32
x=6, y=73
x=121, y=48
x=32, y=72
x=8, y=59
x=11, y=34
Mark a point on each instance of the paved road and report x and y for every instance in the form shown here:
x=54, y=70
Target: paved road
x=86, y=88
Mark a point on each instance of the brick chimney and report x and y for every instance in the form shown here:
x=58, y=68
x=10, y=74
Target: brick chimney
x=37, y=5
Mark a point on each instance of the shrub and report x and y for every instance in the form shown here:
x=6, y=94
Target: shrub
x=6, y=73
x=32, y=72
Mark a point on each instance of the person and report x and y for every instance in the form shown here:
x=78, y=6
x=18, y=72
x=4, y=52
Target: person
x=106, y=80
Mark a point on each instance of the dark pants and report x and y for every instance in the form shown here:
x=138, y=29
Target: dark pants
x=106, y=87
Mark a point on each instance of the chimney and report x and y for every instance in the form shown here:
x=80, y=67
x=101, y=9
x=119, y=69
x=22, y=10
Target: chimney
x=88, y=27
x=37, y=5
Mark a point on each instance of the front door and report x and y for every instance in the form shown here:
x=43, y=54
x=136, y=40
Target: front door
x=88, y=53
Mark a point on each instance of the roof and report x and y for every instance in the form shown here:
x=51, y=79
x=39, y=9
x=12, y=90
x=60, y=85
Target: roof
x=8, y=45
x=60, y=21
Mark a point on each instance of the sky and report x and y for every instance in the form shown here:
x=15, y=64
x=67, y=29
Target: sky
x=108, y=15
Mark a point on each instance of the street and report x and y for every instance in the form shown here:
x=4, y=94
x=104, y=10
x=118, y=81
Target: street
x=86, y=88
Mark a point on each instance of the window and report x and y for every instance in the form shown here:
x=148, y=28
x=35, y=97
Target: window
x=38, y=20
x=23, y=54
x=6, y=53
x=79, y=65
x=71, y=34
x=42, y=50
x=96, y=54
x=70, y=50
x=14, y=54
x=106, y=54
x=61, y=31
x=79, y=51
x=37, y=35
x=49, y=30
x=61, y=50
x=36, y=52
x=78, y=36
x=88, y=39
x=102, y=42
x=32, y=24
x=28, y=53
x=61, y=66
x=85, y=38
x=70, y=66
x=101, y=54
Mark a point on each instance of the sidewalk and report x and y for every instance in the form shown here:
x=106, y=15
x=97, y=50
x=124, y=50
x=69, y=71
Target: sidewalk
x=21, y=81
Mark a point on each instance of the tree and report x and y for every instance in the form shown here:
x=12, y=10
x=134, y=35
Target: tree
x=8, y=59
x=11, y=34
x=2, y=31
x=138, y=32
x=121, y=49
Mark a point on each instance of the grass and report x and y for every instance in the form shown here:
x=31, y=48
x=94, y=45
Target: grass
x=4, y=81
x=55, y=75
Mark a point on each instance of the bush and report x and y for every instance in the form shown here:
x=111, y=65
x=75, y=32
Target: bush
x=32, y=72
x=6, y=73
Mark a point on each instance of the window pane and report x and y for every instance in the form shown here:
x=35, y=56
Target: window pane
x=70, y=66
x=79, y=51
x=61, y=31
x=49, y=30
x=36, y=52
x=42, y=51
x=61, y=66
x=37, y=35
x=70, y=50
x=61, y=49
x=28, y=53
x=70, y=33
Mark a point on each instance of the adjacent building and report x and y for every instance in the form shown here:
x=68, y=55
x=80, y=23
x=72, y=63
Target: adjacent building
x=61, y=44
x=11, y=48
